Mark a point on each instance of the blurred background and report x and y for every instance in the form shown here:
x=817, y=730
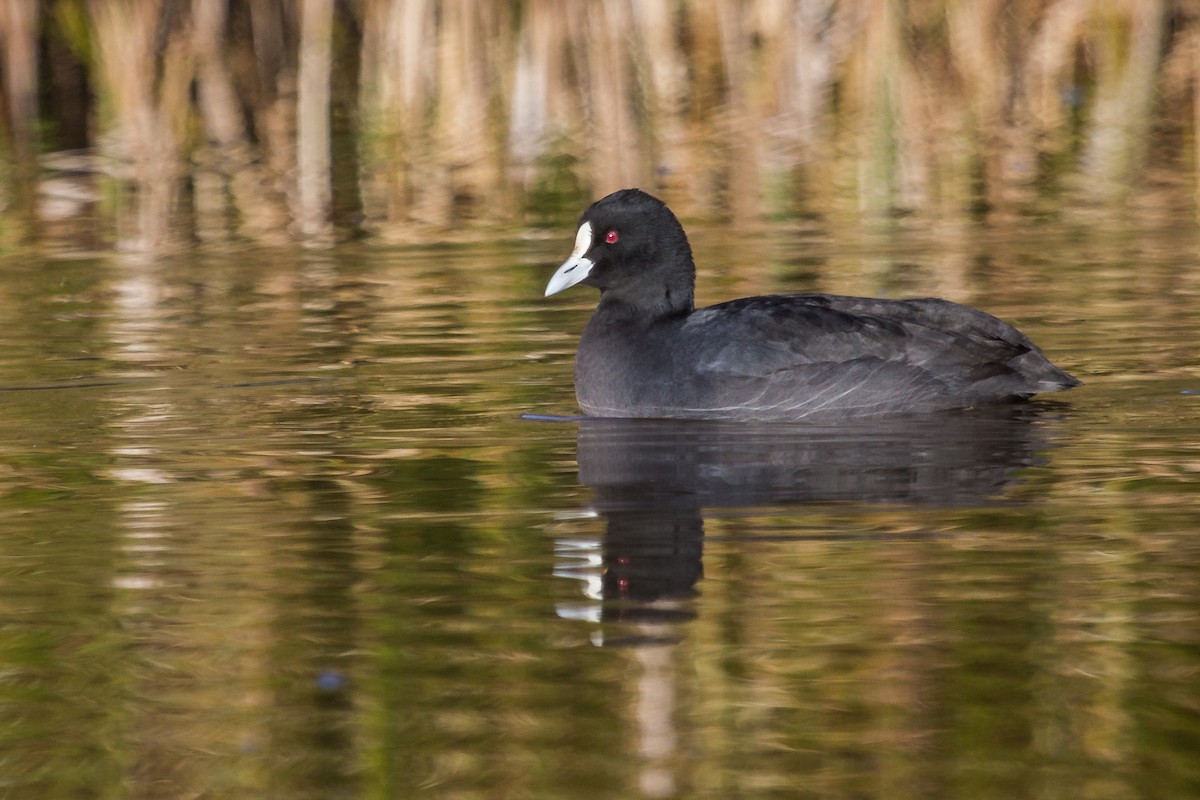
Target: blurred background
x=142, y=124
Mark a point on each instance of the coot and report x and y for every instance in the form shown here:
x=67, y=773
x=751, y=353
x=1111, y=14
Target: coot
x=648, y=352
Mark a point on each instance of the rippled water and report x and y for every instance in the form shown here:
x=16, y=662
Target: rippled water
x=276, y=523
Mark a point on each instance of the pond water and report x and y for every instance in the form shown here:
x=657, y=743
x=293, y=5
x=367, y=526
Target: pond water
x=286, y=523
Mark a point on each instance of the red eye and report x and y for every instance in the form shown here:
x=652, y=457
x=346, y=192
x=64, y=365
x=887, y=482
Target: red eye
x=611, y=237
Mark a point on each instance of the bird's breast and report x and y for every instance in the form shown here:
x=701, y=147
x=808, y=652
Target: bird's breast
x=621, y=370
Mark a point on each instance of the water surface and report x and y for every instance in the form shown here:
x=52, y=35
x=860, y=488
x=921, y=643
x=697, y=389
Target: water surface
x=272, y=524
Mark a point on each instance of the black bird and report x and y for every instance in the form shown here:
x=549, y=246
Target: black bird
x=648, y=352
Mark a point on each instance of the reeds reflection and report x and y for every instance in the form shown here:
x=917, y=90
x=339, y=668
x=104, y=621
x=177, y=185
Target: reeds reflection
x=212, y=119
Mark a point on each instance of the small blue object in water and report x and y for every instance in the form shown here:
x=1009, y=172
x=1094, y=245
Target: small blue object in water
x=1190, y=391
x=330, y=681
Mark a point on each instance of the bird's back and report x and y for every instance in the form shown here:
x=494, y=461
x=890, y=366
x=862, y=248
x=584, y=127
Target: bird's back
x=792, y=357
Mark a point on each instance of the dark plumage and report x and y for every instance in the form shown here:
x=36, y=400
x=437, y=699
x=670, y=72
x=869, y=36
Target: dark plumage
x=647, y=352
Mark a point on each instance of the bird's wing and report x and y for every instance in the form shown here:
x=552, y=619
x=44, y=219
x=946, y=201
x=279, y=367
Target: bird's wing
x=819, y=351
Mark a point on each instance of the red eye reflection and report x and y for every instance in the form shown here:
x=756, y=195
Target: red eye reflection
x=611, y=237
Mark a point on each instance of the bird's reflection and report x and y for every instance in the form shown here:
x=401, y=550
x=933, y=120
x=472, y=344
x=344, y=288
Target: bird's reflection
x=652, y=482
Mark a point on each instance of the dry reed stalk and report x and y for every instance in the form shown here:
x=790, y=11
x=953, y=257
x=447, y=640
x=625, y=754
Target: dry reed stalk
x=663, y=72
x=1046, y=68
x=19, y=22
x=314, y=188
x=274, y=112
x=615, y=154
x=924, y=124
x=784, y=42
x=706, y=130
x=872, y=96
x=978, y=38
x=822, y=37
x=544, y=112
x=214, y=88
x=434, y=85
x=396, y=84
x=1181, y=89
x=377, y=82
x=796, y=48
x=445, y=148
x=144, y=72
x=811, y=55
x=743, y=116
x=528, y=122
x=1128, y=47
x=235, y=160
x=467, y=72
x=432, y=103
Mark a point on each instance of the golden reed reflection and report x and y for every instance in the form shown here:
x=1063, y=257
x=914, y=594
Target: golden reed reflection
x=159, y=122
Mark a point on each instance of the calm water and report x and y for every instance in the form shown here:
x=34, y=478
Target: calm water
x=272, y=524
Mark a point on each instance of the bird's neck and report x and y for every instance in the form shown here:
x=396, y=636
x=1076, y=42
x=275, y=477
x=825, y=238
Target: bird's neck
x=650, y=304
